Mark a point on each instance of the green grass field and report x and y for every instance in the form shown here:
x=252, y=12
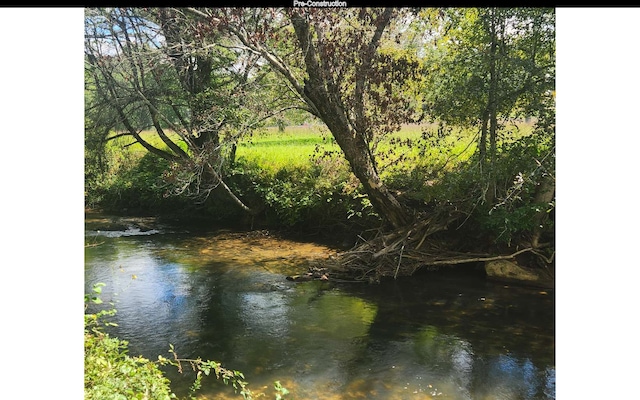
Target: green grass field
x=273, y=150
x=294, y=147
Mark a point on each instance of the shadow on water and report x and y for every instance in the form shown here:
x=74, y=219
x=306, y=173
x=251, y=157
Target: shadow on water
x=223, y=296
x=478, y=339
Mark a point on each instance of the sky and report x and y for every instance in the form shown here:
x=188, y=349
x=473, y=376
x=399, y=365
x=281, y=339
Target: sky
x=41, y=83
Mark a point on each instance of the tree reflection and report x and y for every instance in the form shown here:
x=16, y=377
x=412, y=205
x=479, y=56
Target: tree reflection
x=396, y=340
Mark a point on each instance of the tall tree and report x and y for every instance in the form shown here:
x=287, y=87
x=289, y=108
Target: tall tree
x=493, y=64
x=336, y=63
x=148, y=72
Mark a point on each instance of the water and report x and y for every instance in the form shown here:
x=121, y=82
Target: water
x=224, y=296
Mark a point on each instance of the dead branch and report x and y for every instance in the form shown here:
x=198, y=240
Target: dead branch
x=404, y=251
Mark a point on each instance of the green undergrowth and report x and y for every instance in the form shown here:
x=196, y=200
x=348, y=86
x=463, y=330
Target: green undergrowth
x=297, y=178
x=112, y=374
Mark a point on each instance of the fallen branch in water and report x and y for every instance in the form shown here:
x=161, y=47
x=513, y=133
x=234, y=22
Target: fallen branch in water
x=404, y=251
x=480, y=259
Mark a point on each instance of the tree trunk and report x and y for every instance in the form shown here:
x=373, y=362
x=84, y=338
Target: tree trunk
x=321, y=92
x=482, y=146
x=491, y=112
x=356, y=152
x=545, y=192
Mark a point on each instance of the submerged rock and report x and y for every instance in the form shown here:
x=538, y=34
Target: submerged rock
x=511, y=271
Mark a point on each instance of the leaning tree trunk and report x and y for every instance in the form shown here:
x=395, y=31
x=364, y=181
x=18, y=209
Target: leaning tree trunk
x=357, y=153
x=323, y=98
x=322, y=94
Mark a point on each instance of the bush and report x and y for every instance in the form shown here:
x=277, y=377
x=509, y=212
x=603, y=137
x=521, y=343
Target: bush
x=317, y=196
x=138, y=186
x=111, y=374
x=512, y=214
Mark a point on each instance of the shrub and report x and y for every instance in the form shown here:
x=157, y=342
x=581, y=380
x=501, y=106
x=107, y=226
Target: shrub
x=111, y=374
x=317, y=196
x=517, y=173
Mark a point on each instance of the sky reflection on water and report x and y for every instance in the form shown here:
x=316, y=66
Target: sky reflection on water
x=430, y=339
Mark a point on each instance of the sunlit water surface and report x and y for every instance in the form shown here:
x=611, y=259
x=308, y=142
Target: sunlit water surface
x=223, y=296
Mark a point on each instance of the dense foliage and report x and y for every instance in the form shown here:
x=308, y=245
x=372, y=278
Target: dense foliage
x=429, y=112
x=438, y=120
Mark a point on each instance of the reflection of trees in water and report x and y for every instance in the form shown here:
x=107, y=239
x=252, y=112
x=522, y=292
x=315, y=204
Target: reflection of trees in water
x=512, y=377
x=472, y=337
x=434, y=363
x=492, y=318
x=465, y=339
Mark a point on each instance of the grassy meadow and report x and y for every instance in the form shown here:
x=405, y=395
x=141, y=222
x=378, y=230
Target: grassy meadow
x=412, y=145
x=273, y=150
x=296, y=146
x=299, y=175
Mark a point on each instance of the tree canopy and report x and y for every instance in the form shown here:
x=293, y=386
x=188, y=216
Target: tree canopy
x=148, y=70
x=188, y=84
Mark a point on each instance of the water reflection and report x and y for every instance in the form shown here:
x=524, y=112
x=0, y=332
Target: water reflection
x=130, y=231
x=510, y=377
x=224, y=299
x=264, y=313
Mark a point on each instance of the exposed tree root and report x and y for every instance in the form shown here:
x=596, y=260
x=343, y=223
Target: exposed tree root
x=402, y=252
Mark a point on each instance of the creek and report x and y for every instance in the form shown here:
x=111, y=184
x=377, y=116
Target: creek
x=222, y=295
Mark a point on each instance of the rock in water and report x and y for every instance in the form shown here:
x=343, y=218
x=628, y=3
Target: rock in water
x=509, y=270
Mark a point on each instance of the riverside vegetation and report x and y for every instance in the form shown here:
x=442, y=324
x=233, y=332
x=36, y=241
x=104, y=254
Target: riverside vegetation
x=112, y=374
x=415, y=138
x=302, y=185
x=297, y=179
x=423, y=156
